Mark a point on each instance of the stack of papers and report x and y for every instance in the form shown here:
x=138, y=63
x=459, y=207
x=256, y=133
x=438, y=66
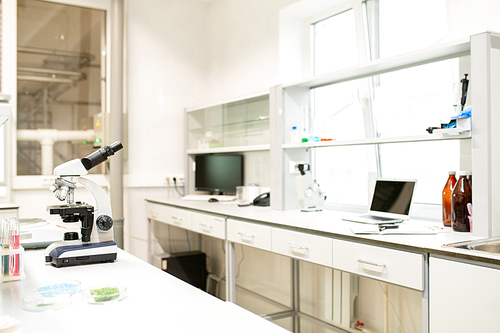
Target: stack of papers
x=403, y=229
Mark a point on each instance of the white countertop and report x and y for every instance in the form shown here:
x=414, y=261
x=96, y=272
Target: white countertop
x=156, y=301
x=329, y=222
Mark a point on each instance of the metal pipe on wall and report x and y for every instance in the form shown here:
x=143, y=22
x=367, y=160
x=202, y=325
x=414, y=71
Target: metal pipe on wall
x=47, y=138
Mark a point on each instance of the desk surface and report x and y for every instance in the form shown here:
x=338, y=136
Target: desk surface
x=330, y=223
x=156, y=301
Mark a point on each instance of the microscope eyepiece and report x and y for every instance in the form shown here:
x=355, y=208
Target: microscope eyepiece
x=101, y=155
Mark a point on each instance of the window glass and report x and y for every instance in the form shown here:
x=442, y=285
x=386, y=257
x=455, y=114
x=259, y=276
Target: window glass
x=408, y=101
x=428, y=162
x=60, y=83
x=337, y=113
x=335, y=43
x=343, y=173
x=402, y=103
x=408, y=26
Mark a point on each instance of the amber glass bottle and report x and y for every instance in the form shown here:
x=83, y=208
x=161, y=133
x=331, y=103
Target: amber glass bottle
x=460, y=197
x=447, y=190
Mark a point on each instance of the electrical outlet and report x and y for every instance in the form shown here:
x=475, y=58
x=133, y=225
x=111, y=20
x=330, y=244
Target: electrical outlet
x=293, y=167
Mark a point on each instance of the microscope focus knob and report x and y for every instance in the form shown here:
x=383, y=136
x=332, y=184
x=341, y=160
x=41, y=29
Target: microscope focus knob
x=104, y=222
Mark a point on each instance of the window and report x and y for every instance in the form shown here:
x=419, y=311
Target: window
x=328, y=34
x=397, y=104
x=61, y=81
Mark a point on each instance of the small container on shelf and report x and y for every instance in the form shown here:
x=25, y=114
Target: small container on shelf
x=294, y=135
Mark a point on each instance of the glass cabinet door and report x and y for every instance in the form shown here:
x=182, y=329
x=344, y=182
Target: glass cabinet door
x=236, y=124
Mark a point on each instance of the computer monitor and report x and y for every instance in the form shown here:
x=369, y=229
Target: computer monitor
x=218, y=173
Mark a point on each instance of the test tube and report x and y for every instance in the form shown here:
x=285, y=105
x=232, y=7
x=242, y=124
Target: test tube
x=14, y=244
x=5, y=246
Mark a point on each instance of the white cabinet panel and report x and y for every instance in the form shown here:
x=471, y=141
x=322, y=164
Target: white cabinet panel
x=463, y=297
x=167, y=214
x=212, y=225
x=393, y=266
x=302, y=246
x=250, y=234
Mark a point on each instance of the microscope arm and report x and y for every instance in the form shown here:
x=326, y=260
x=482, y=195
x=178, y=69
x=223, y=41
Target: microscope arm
x=101, y=199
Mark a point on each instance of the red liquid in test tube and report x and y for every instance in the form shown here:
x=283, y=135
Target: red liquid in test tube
x=15, y=258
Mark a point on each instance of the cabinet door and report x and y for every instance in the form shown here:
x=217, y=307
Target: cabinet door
x=463, y=297
x=208, y=224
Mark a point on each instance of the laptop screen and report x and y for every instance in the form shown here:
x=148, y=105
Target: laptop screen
x=392, y=196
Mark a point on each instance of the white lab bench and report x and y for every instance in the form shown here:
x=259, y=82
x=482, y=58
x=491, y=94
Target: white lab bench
x=155, y=302
x=325, y=239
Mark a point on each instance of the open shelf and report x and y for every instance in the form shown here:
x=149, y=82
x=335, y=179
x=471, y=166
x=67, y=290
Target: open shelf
x=228, y=149
x=376, y=67
x=376, y=141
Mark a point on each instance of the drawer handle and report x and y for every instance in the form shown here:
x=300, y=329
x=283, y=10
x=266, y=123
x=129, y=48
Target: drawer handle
x=206, y=226
x=154, y=214
x=296, y=248
x=244, y=235
x=177, y=219
x=361, y=261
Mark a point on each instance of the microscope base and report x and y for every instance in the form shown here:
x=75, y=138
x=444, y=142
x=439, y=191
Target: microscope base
x=62, y=254
x=73, y=261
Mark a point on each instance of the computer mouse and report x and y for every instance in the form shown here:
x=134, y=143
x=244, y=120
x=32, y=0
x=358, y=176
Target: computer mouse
x=213, y=200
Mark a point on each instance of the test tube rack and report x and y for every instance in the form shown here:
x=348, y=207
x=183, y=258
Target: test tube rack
x=6, y=257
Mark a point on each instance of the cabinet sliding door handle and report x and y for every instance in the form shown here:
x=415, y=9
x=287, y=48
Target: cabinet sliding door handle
x=361, y=261
x=298, y=249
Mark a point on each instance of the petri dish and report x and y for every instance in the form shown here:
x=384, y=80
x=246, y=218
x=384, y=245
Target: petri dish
x=41, y=303
x=54, y=288
x=104, y=294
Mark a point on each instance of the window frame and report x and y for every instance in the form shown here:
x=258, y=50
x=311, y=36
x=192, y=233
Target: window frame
x=19, y=182
x=420, y=210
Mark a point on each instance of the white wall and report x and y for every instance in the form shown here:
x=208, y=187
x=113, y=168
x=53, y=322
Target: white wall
x=166, y=61
x=187, y=53
x=243, y=47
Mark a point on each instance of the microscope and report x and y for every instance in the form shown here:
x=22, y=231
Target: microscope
x=96, y=244
x=309, y=194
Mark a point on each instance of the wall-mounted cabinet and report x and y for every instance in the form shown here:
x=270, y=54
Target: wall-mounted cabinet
x=236, y=126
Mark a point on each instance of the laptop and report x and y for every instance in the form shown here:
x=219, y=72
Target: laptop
x=391, y=202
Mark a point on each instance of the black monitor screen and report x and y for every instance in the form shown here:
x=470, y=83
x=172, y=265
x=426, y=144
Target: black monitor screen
x=392, y=196
x=218, y=173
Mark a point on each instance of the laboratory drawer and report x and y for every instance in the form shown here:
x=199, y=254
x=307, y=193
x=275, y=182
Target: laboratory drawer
x=208, y=224
x=168, y=214
x=393, y=266
x=250, y=234
x=316, y=249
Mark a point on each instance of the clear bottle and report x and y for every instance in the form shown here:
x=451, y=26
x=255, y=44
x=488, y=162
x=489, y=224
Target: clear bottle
x=294, y=135
x=461, y=196
x=447, y=191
